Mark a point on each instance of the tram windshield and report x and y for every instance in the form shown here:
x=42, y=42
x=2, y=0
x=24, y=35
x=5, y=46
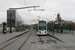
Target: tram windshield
x=42, y=27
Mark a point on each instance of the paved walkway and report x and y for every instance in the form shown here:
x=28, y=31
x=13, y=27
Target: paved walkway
x=68, y=38
x=4, y=37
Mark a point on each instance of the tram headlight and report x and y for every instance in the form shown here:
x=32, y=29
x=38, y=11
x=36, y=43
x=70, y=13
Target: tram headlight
x=40, y=31
x=45, y=31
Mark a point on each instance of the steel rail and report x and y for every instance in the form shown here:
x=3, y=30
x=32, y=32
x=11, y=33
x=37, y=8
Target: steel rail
x=24, y=42
x=55, y=38
x=12, y=42
x=13, y=38
x=42, y=42
x=51, y=39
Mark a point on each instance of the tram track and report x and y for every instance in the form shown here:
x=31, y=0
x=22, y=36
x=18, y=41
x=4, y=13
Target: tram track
x=13, y=37
x=42, y=42
x=44, y=39
x=55, y=38
x=16, y=38
x=24, y=41
x=51, y=40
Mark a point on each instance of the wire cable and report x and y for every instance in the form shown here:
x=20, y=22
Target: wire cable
x=25, y=2
x=26, y=5
x=42, y=6
x=43, y=3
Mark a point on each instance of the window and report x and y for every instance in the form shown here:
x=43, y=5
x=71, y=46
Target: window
x=42, y=27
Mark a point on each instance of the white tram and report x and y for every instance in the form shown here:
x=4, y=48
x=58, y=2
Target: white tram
x=42, y=28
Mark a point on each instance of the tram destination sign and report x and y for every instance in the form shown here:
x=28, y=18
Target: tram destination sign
x=42, y=22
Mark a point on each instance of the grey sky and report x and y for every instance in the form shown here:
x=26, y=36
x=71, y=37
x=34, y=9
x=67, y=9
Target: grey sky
x=66, y=8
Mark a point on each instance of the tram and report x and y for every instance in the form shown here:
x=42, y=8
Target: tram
x=41, y=28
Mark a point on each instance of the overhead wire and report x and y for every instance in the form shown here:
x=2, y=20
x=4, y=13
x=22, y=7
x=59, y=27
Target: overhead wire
x=26, y=5
x=42, y=6
x=25, y=2
x=43, y=3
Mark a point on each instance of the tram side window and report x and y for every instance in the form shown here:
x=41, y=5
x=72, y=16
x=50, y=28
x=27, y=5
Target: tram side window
x=42, y=27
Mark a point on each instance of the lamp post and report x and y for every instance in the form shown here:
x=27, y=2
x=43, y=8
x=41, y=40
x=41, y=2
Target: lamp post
x=53, y=27
x=10, y=23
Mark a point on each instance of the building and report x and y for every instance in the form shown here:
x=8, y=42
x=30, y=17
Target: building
x=14, y=20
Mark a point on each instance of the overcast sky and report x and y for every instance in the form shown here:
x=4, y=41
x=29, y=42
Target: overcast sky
x=66, y=8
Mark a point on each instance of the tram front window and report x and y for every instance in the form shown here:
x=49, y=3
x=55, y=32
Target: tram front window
x=42, y=27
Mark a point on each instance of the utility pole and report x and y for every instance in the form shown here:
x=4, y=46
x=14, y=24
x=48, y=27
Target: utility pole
x=53, y=27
